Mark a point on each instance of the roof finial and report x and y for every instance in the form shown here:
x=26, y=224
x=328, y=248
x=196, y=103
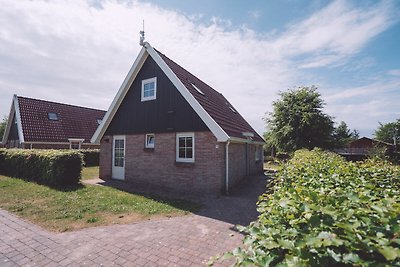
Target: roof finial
x=142, y=36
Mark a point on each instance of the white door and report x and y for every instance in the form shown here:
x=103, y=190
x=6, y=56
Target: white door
x=118, y=167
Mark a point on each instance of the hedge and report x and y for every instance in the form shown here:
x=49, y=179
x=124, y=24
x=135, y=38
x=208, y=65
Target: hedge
x=324, y=211
x=90, y=157
x=50, y=167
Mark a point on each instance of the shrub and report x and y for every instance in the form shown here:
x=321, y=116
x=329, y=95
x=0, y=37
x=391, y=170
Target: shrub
x=282, y=156
x=51, y=167
x=324, y=211
x=90, y=157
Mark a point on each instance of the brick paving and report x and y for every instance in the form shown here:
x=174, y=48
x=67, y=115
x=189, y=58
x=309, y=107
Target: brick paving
x=180, y=241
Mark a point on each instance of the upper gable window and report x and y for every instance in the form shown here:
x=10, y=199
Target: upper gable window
x=52, y=116
x=149, y=89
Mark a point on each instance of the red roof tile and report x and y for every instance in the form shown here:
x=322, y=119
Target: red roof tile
x=73, y=121
x=216, y=105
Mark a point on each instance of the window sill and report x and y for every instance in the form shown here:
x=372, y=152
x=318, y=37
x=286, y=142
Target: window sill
x=148, y=149
x=184, y=164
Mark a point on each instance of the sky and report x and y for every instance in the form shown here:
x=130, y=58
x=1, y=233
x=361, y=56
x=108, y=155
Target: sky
x=79, y=52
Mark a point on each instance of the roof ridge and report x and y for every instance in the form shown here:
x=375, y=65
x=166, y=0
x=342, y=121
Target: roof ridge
x=58, y=103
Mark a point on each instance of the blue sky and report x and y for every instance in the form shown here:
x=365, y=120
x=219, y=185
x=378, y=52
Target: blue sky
x=79, y=52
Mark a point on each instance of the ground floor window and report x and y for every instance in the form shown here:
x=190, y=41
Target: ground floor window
x=185, y=147
x=150, y=141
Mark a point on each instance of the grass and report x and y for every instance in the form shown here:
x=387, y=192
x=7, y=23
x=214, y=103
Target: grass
x=83, y=206
x=90, y=173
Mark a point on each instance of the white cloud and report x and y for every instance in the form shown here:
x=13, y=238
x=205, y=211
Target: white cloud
x=79, y=53
x=395, y=72
x=335, y=32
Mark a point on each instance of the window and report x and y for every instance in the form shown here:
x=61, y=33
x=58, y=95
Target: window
x=75, y=143
x=150, y=139
x=52, y=116
x=149, y=89
x=185, y=147
x=197, y=89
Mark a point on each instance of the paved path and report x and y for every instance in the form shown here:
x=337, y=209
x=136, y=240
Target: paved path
x=180, y=241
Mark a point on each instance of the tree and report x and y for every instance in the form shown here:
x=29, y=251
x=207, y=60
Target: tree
x=298, y=121
x=342, y=135
x=3, y=125
x=388, y=132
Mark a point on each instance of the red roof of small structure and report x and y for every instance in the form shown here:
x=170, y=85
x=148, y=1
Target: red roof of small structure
x=73, y=121
x=213, y=102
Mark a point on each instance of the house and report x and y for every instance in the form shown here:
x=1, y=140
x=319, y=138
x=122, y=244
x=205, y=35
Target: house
x=360, y=149
x=35, y=123
x=168, y=129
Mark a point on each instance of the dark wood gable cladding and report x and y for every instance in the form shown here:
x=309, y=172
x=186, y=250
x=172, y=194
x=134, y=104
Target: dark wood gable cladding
x=169, y=112
x=13, y=135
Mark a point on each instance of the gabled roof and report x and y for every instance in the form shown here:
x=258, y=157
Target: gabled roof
x=34, y=125
x=372, y=141
x=223, y=120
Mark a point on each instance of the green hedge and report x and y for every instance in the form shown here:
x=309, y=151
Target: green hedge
x=90, y=157
x=51, y=167
x=324, y=211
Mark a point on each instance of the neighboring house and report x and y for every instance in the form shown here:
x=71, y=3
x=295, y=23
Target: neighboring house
x=35, y=123
x=359, y=149
x=168, y=129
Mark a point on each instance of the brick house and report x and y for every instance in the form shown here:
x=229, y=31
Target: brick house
x=169, y=130
x=34, y=123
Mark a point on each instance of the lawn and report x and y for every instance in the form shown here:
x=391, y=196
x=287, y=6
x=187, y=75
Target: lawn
x=90, y=173
x=83, y=206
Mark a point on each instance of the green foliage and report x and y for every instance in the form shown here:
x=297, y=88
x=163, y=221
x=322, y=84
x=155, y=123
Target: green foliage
x=51, y=167
x=298, y=121
x=342, y=135
x=3, y=125
x=324, y=211
x=388, y=132
x=90, y=157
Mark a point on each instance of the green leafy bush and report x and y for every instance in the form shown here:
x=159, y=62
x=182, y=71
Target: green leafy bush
x=51, y=167
x=282, y=156
x=90, y=157
x=324, y=211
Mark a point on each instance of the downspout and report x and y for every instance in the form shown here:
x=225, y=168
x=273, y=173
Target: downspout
x=227, y=168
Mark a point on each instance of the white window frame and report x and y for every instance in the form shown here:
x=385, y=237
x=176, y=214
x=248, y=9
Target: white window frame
x=146, y=141
x=75, y=141
x=178, y=159
x=147, y=81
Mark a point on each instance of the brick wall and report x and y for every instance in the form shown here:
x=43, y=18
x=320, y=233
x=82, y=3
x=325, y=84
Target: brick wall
x=242, y=164
x=159, y=168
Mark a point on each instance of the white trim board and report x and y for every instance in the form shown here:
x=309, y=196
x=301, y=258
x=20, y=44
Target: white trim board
x=119, y=97
x=147, y=49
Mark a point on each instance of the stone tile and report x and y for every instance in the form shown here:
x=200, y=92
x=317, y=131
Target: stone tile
x=180, y=241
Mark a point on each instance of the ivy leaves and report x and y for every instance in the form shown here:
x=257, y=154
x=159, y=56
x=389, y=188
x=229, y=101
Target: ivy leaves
x=325, y=211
